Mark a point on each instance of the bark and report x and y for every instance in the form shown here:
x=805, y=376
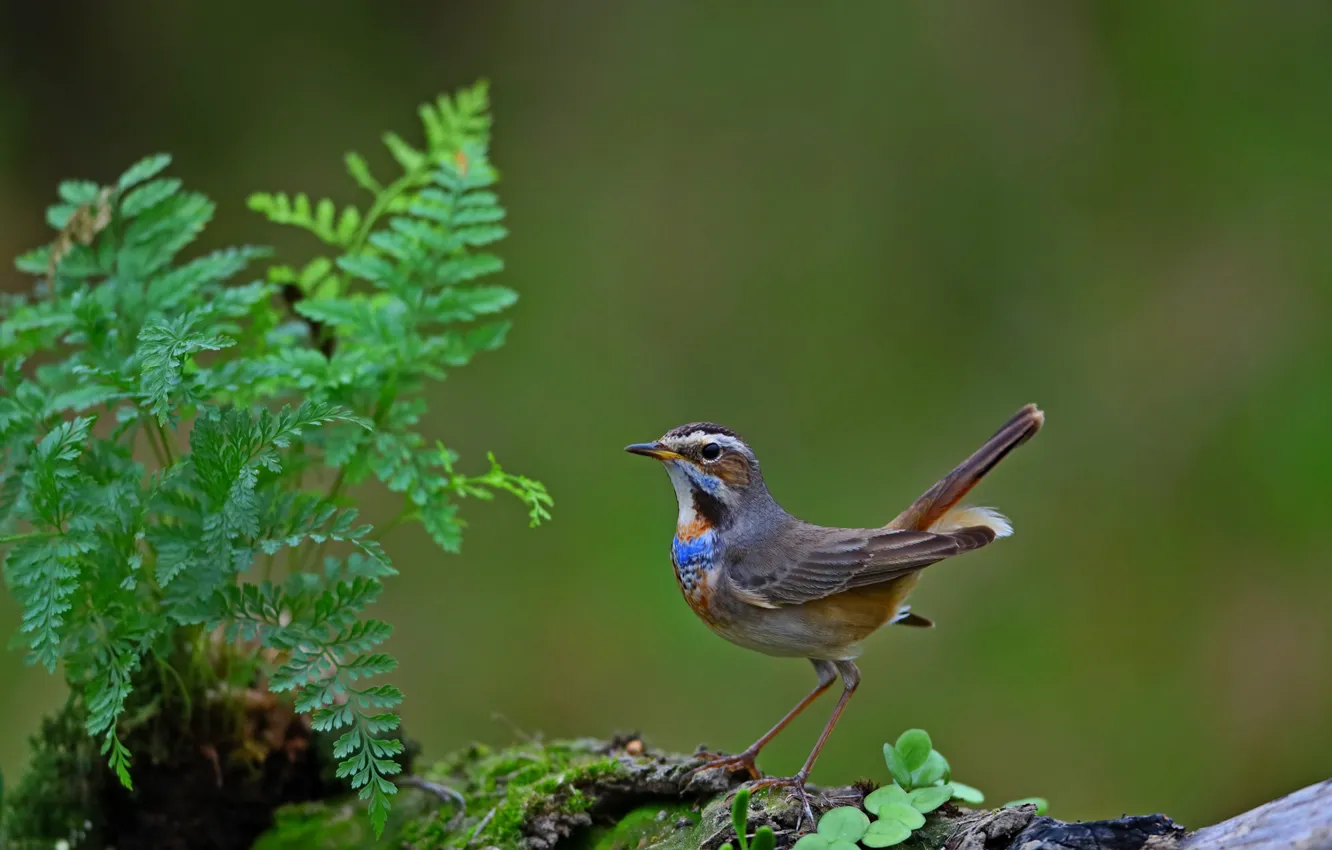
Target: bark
x=611, y=794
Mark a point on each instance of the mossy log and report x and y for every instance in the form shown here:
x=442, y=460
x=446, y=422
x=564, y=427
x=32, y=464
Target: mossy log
x=616, y=795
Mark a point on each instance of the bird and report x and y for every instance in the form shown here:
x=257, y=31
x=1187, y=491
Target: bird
x=773, y=583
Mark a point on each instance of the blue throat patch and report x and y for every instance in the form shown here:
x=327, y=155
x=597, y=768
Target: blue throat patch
x=693, y=557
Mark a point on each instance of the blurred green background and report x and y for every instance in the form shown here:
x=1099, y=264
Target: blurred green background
x=862, y=234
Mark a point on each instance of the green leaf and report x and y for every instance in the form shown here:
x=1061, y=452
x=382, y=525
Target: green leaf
x=83, y=397
x=149, y=195
x=78, y=192
x=897, y=766
x=348, y=224
x=1042, y=805
x=154, y=237
x=888, y=794
x=914, y=746
x=909, y=816
x=58, y=215
x=314, y=272
x=184, y=283
x=740, y=815
x=930, y=798
x=120, y=761
x=932, y=771
x=360, y=172
x=407, y=156
x=44, y=575
x=366, y=267
x=764, y=839
x=844, y=823
x=967, y=794
x=142, y=170
x=163, y=348
x=886, y=833
x=814, y=841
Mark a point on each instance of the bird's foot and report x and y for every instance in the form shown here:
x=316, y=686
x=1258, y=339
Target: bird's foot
x=796, y=784
x=728, y=764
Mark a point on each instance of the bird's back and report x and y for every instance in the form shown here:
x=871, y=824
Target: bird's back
x=815, y=591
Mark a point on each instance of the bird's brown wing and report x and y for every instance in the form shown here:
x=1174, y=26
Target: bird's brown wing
x=828, y=561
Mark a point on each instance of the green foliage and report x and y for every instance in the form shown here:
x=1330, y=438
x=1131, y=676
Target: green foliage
x=764, y=837
x=838, y=829
x=164, y=429
x=914, y=762
x=922, y=782
x=967, y=794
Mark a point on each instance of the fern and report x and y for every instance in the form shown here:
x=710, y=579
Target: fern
x=168, y=440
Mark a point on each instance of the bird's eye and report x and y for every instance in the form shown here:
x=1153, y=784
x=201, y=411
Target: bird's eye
x=711, y=451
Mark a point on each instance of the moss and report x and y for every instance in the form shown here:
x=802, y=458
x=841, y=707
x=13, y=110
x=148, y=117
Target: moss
x=507, y=791
x=343, y=825
x=580, y=793
x=54, y=801
x=651, y=827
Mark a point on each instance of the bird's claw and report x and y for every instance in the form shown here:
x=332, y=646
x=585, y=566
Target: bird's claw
x=729, y=764
x=796, y=784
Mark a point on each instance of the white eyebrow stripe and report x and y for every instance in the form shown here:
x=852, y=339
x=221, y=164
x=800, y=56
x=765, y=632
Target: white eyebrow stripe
x=697, y=437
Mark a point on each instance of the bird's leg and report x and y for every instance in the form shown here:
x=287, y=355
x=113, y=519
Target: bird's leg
x=827, y=673
x=850, y=679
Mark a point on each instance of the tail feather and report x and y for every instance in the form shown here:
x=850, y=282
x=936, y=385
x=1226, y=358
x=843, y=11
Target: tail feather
x=969, y=517
x=934, y=511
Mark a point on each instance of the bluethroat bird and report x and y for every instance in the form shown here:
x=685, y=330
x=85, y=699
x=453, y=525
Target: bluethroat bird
x=774, y=583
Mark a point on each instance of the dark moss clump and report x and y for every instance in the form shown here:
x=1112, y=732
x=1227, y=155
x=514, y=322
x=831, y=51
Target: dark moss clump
x=56, y=798
x=209, y=767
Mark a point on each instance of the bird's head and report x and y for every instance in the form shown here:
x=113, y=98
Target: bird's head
x=713, y=469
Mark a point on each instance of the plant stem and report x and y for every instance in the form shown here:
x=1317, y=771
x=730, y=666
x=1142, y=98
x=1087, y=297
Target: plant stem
x=163, y=664
x=380, y=206
x=31, y=535
x=157, y=451
x=166, y=444
x=398, y=520
x=386, y=396
x=300, y=557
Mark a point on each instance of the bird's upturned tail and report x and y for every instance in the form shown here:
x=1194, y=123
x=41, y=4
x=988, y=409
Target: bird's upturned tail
x=934, y=511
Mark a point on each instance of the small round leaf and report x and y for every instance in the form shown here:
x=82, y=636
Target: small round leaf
x=885, y=795
x=933, y=770
x=914, y=746
x=843, y=845
x=928, y=799
x=1042, y=805
x=904, y=813
x=967, y=794
x=897, y=766
x=844, y=823
x=886, y=833
x=812, y=841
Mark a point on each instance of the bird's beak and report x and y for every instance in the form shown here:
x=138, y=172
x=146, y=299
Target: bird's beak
x=653, y=450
